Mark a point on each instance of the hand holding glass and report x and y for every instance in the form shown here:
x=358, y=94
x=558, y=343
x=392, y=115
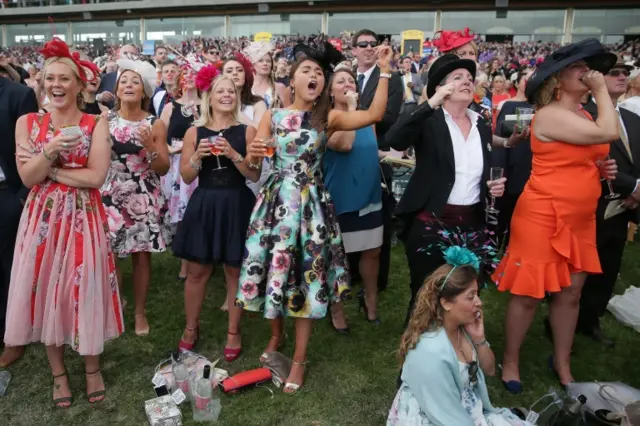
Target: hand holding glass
x=523, y=119
x=216, y=149
x=496, y=174
x=612, y=195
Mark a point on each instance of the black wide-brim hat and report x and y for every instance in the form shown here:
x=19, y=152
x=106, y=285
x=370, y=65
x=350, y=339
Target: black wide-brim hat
x=445, y=65
x=589, y=50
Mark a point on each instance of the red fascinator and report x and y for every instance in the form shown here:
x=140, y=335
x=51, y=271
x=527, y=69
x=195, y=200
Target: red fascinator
x=249, y=71
x=205, y=77
x=450, y=40
x=56, y=48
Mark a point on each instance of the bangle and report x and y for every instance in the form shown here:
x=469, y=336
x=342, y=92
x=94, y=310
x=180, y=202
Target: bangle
x=239, y=159
x=195, y=165
x=44, y=153
x=254, y=166
x=54, y=174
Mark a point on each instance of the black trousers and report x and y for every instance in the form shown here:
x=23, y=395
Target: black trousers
x=388, y=206
x=421, y=263
x=611, y=236
x=10, y=209
x=507, y=205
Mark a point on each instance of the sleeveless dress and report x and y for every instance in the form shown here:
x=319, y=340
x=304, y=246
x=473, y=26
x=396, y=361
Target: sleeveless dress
x=175, y=190
x=132, y=194
x=63, y=282
x=294, y=262
x=266, y=168
x=214, y=226
x=553, y=229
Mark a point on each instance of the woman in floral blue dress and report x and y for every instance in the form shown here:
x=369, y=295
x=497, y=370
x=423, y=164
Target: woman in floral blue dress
x=294, y=262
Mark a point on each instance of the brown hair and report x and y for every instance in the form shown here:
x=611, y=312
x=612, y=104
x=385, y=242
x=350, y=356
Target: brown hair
x=144, y=104
x=322, y=106
x=447, y=283
x=246, y=95
x=546, y=92
x=356, y=36
x=333, y=77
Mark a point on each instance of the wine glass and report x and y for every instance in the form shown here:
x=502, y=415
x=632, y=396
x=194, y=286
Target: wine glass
x=270, y=147
x=495, y=174
x=612, y=195
x=216, y=149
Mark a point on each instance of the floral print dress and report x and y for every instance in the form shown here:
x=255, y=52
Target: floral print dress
x=132, y=194
x=63, y=288
x=294, y=262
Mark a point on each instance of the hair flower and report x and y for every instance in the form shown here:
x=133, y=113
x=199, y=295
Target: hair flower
x=205, y=77
x=458, y=256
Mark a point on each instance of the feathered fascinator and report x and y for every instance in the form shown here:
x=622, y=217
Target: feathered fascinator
x=249, y=71
x=450, y=40
x=257, y=49
x=320, y=50
x=478, y=249
x=205, y=77
x=145, y=70
x=56, y=48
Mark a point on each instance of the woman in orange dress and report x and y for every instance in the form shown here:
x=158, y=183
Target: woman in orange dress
x=553, y=241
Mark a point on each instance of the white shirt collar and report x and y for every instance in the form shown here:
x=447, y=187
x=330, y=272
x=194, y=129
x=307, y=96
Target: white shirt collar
x=368, y=72
x=473, y=116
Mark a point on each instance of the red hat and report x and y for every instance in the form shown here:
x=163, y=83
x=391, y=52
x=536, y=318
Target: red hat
x=88, y=71
x=450, y=40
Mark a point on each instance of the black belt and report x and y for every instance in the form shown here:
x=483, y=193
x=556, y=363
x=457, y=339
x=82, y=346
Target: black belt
x=4, y=185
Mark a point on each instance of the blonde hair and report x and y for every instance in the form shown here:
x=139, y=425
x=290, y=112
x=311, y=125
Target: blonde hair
x=480, y=91
x=446, y=282
x=74, y=68
x=546, y=92
x=206, y=112
x=473, y=44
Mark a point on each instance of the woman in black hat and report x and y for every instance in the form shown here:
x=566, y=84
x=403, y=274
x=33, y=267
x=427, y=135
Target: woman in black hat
x=452, y=145
x=553, y=240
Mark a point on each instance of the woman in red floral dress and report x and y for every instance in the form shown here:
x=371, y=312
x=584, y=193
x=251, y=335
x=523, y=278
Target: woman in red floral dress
x=63, y=287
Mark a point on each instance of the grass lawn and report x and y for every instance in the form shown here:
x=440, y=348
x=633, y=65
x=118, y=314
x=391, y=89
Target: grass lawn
x=350, y=380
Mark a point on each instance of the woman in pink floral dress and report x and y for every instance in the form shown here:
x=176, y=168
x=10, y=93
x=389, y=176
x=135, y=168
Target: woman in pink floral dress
x=63, y=283
x=132, y=194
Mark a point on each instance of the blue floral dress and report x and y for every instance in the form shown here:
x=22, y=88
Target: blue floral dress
x=294, y=262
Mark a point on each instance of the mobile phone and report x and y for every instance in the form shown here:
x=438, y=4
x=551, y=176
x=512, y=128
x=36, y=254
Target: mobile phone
x=71, y=131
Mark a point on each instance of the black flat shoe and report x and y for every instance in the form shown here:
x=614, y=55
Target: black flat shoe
x=344, y=331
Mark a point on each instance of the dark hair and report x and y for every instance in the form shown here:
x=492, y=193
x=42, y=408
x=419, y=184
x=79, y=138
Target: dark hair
x=354, y=40
x=522, y=74
x=333, y=77
x=144, y=103
x=320, y=111
x=160, y=46
x=246, y=95
x=405, y=57
x=169, y=62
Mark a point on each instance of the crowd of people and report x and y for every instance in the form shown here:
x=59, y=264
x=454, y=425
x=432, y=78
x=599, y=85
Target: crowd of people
x=274, y=160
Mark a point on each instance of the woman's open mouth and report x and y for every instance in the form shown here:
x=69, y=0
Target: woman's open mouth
x=313, y=85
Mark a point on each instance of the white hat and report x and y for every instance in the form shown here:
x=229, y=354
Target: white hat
x=257, y=49
x=145, y=70
x=635, y=71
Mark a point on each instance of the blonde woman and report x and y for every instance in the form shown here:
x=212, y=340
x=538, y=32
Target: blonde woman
x=499, y=94
x=264, y=84
x=447, y=329
x=214, y=226
x=63, y=287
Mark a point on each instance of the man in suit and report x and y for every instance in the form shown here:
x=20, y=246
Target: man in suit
x=15, y=101
x=108, y=83
x=611, y=234
x=411, y=84
x=364, y=43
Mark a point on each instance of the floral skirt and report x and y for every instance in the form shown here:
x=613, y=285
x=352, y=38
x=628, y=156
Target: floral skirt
x=63, y=287
x=176, y=191
x=294, y=262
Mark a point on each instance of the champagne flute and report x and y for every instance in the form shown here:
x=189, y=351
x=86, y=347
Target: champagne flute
x=216, y=150
x=495, y=174
x=612, y=195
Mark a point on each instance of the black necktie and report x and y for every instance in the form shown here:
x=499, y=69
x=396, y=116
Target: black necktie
x=361, y=82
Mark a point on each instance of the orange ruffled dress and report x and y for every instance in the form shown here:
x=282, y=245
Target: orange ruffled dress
x=553, y=230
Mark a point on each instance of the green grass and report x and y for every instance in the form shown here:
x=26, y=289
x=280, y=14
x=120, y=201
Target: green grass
x=350, y=380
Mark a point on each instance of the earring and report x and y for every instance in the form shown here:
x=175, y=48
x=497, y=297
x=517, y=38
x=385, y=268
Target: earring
x=556, y=93
x=332, y=100
x=315, y=102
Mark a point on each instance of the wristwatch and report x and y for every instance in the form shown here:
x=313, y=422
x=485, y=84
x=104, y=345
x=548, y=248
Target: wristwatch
x=484, y=342
x=385, y=75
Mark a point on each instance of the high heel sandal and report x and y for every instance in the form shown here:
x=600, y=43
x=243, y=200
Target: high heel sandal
x=280, y=339
x=65, y=401
x=231, y=354
x=290, y=387
x=97, y=396
x=186, y=346
x=141, y=332
x=363, y=306
x=552, y=368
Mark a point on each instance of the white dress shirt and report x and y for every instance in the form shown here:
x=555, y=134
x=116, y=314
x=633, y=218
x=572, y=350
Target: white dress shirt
x=367, y=75
x=2, y=176
x=632, y=104
x=468, y=160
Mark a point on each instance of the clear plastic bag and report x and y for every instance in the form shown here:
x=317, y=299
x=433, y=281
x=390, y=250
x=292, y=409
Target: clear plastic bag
x=626, y=307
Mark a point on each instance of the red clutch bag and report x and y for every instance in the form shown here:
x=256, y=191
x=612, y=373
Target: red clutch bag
x=245, y=379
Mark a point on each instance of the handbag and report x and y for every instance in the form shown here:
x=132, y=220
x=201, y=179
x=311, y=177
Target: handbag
x=245, y=379
x=606, y=401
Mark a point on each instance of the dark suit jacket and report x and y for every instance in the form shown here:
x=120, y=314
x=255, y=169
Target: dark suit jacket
x=108, y=84
x=433, y=178
x=394, y=100
x=16, y=100
x=628, y=171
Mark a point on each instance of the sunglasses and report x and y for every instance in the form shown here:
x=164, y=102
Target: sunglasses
x=365, y=44
x=616, y=72
x=214, y=52
x=473, y=373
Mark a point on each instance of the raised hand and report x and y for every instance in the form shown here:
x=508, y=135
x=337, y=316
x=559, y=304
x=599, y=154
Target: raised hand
x=352, y=100
x=442, y=93
x=384, y=57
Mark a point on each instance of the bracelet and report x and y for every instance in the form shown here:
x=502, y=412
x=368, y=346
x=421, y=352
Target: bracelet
x=254, y=166
x=152, y=156
x=239, y=159
x=385, y=75
x=44, y=153
x=54, y=174
x=194, y=165
x=484, y=342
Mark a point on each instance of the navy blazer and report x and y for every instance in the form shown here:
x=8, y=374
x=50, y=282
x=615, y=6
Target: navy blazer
x=108, y=84
x=16, y=100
